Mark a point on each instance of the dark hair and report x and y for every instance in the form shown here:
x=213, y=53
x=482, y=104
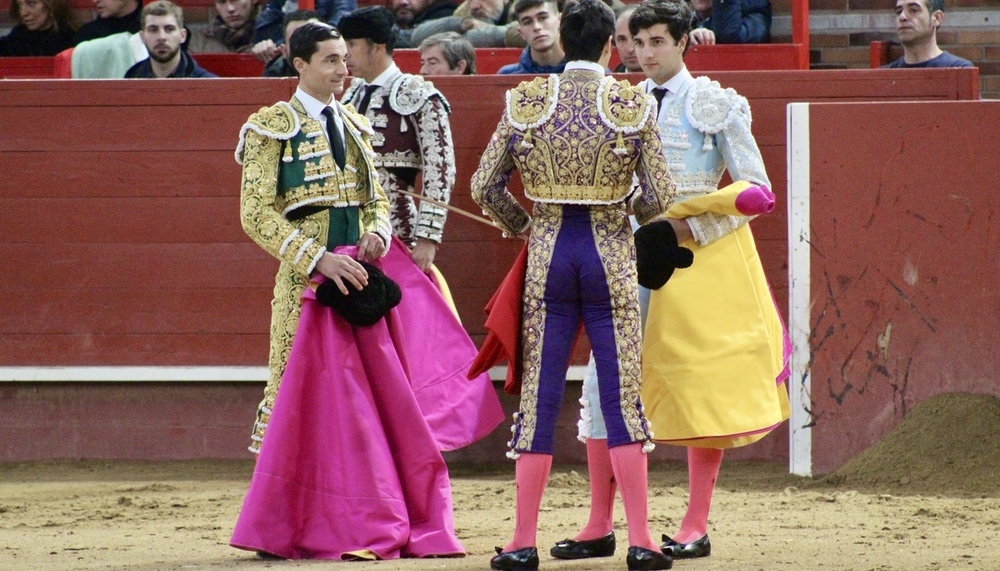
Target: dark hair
x=935, y=5
x=299, y=16
x=678, y=15
x=584, y=29
x=455, y=48
x=304, y=41
x=522, y=5
x=60, y=12
x=161, y=8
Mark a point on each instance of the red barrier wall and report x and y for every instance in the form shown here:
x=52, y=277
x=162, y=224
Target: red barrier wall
x=121, y=245
x=904, y=265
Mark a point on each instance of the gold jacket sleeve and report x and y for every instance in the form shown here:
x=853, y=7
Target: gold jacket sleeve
x=489, y=183
x=656, y=188
x=261, y=220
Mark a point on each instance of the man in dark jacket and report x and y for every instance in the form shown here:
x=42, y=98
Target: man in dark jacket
x=163, y=33
x=113, y=16
x=279, y=66
x=731, y=22
x=411, y=13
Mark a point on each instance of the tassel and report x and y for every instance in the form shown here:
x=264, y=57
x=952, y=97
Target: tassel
x=620, y=145
x=708, y=143
x=402, y=125
x=287, y=157
x=526, y=141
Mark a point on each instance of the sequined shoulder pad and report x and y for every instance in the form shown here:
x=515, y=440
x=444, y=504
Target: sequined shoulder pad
x=356, y=120
x=408, y=94
x=710, y=108
x=278, y=121
x=355, y=85
x=532, y=102
x=623, y=106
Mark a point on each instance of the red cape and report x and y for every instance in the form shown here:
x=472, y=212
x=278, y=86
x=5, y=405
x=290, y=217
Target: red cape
x=503, y=327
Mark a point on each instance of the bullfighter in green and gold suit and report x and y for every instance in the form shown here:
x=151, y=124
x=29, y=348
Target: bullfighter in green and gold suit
x=297, y=204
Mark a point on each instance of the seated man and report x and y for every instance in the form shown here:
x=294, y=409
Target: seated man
x=447, y=53
x=411, y=13
x=917, y=22
x=113, y=17
x=485, y=23
x=269, y=27
x=732, y=22
x=624, y=44
x=163, y=33
x=279, y=66
x=538, y=25
x=230, y=31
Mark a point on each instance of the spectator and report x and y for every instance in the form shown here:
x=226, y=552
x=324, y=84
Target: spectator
x=917, y=22
x=230, y=31
x=538, y=25
x=412, y=132
x=269, y=23
x=113, y=17
x=411, y=13
x=485, y=23
x=279, y=66
x=624, y=45
x=447, y=53
x=731, y=22
x=42, y=28
x=163, y=33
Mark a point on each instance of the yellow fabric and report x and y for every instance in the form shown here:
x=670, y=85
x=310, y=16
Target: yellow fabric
x=713, y=347
x=445, y=290
x=722, y=201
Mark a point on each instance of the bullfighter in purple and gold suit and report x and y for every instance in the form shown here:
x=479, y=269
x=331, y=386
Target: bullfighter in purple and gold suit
x=577, y=138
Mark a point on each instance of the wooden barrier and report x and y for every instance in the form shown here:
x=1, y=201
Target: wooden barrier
x=122, y=243
x=903, y=302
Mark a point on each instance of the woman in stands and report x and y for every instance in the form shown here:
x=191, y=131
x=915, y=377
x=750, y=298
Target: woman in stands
x=42, y=28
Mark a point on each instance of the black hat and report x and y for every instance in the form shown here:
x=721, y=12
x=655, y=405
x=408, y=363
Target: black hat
x=364, y=307
x=657, y=254
x=375, y=23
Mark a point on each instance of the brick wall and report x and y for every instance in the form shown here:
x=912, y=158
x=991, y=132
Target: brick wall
x=841, y=31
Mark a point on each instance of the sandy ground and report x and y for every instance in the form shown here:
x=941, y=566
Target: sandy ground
x=926, y=497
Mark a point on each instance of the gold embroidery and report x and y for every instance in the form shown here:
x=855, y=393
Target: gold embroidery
x=531, y=101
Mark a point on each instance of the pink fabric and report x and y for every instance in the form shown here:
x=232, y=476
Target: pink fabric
x=630, y=464
x=352, y=458
x=703, y=471
x=602, y=491
x=757, y=199
x=531, y=475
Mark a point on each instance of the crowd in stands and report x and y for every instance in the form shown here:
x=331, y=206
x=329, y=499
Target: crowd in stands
x=446, y=33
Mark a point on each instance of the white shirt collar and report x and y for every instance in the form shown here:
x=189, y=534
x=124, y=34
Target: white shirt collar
x=383, y=77
x=314, y=107
x=583, y=64
x=674, y=84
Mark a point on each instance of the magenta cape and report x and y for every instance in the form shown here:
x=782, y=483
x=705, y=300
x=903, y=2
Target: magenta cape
x=352, y=460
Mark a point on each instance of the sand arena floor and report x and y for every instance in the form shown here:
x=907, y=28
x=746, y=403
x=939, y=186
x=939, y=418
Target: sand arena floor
x=896, y=507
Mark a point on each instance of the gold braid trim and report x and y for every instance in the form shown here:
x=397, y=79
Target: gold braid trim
x=278, y=121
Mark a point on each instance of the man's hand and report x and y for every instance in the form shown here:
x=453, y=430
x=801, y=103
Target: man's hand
x=370, y=247
x=423, y=254
x=682, y=229
x=702, y=37
x=472, y=24
x=342, y=270
x=265, y=50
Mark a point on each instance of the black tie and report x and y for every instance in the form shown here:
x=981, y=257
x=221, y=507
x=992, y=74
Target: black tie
x=658, y=93
x=336, y=140
x=366, y=98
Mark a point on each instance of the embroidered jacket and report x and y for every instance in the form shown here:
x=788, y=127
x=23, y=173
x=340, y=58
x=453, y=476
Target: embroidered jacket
x=705, y=130
x=409, y=117
x=287, y=166
x=576, y=138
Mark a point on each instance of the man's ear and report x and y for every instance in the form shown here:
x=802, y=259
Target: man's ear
x=184, y=35
x=299, y=64
x=936, y=18
x=460, y=66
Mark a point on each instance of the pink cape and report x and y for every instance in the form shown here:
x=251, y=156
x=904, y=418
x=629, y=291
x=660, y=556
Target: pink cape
x=352, y=460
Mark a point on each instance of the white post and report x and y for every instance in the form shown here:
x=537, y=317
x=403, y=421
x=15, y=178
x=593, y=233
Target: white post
x=800, y=431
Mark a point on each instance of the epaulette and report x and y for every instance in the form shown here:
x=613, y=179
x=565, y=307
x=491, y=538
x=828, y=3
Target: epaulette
x=710, y=108
x=622, y=106
x=355, y=119
x=278, y=121
x=532, y=102
x=408, y=94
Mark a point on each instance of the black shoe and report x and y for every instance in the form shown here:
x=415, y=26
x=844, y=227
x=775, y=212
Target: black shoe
x=642, y=559
x=603, y=546
x=266, y=555
x=521, y=560
x=701, y=547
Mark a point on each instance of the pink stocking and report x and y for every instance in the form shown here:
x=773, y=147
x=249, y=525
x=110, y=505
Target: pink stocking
x=531, y=474
x=703, y=470
x=602, y=491
x=629, y=464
